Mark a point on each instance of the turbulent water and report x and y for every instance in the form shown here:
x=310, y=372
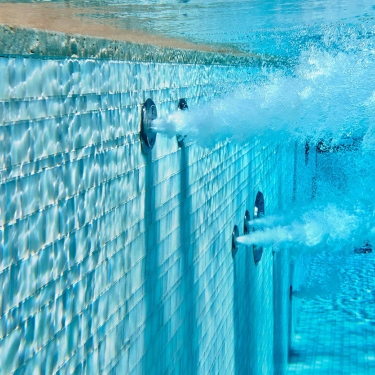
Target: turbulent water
x=327, y=98
x=327, y=93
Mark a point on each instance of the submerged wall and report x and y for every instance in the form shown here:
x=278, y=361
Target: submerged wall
x=112, y=261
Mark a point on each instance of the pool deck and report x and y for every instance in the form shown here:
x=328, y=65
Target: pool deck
x=336, y=329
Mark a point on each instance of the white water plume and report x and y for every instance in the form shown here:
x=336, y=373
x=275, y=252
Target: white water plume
x=329, y=94
x=328, y=226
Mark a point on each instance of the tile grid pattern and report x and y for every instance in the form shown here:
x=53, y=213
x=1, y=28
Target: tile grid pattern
x=335, y=331
x=112, y=262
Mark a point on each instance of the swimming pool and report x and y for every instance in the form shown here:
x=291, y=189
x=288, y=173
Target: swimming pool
x=116, y=260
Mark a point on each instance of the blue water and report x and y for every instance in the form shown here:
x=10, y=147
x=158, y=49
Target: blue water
x=335, y=332
x=326, y=96
x=278, y=28
x=324, y=91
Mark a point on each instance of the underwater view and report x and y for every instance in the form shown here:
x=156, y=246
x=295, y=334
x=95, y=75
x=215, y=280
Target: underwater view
x=312, y=89
x=324, y=98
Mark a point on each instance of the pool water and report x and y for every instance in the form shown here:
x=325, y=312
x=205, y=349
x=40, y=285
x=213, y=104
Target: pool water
x=336, y=328
x=328, y=95
x=280, y=28
x=321, y=92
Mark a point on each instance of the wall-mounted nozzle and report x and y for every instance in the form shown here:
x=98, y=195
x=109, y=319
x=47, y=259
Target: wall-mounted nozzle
x=258, y=213
x=259, y=205
x=148, y=136
x=364, y=249
x=246, y=223
x=235, y=235
x=182, y=106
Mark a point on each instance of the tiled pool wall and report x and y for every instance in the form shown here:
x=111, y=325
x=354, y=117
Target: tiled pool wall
x=304, y=193
x=116, y=262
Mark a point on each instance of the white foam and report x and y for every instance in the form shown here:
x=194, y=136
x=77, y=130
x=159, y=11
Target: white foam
x=327, y=94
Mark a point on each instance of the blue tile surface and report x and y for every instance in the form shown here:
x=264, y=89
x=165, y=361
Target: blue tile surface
x=112, y=262
x=335, y=331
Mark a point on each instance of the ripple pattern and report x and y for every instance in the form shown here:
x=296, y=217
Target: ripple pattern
x=107, y=255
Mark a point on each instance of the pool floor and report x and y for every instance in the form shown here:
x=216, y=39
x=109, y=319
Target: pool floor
x=335, y=331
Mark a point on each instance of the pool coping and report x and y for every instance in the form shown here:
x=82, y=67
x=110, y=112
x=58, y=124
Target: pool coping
x=37, y=43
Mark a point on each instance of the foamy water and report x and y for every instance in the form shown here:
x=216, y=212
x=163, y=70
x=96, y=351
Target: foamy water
x=329, y=95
